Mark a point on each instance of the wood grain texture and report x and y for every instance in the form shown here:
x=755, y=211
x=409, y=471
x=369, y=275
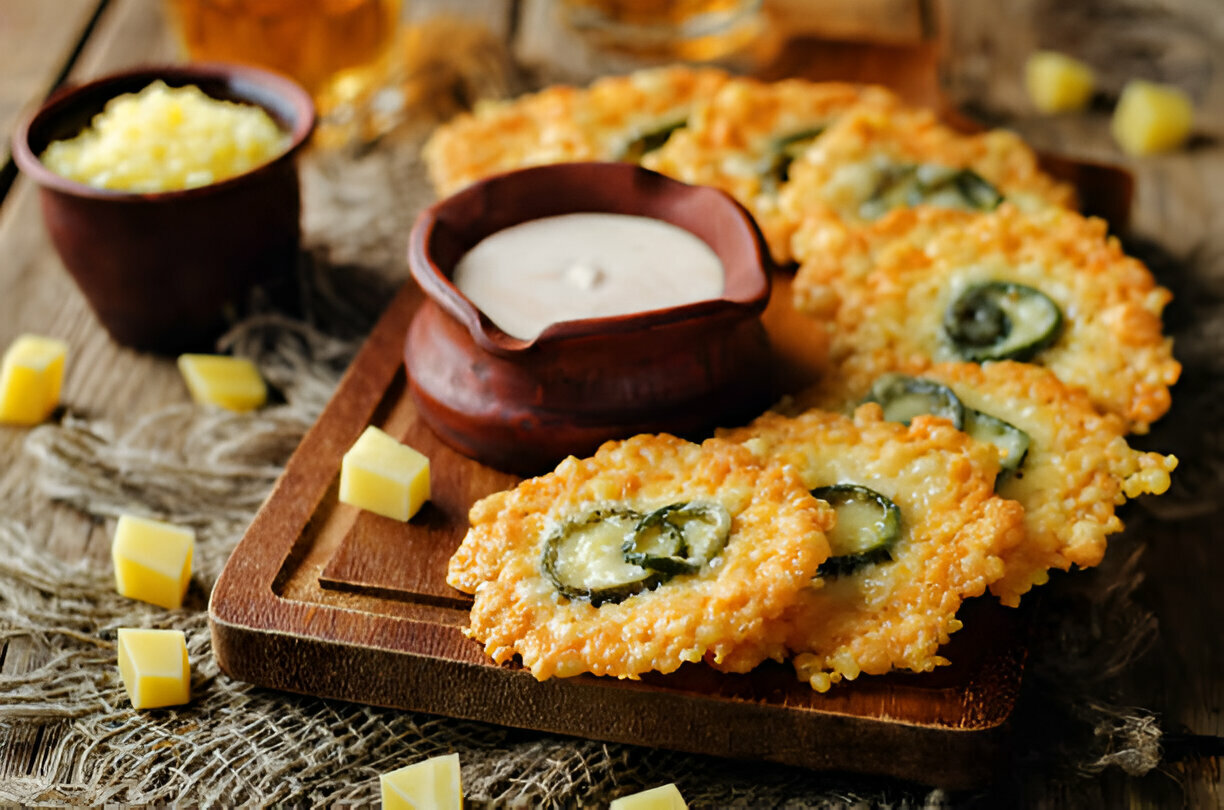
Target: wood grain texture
x=37, y=40
x=102, y=380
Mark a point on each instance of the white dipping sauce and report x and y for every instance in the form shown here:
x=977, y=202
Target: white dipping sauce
x=578, y=266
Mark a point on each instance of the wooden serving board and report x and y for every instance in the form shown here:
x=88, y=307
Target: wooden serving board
x=325, y=599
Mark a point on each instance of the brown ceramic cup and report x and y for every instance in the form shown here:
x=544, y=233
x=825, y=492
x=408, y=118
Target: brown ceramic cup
x=161, y=269
x=523, y=405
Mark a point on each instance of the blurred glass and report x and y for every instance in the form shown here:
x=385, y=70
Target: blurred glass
x=337, y=49
x=691, y=30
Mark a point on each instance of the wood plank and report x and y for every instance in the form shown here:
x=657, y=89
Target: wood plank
x=39, y=296
x=102, y=379
x=38, y=40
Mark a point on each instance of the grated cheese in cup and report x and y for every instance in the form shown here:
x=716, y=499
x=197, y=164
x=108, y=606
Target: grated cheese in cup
x=167, y=139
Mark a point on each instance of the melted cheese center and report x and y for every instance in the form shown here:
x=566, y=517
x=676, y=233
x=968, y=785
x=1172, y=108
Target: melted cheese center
x=591, y=556
x=579, y=266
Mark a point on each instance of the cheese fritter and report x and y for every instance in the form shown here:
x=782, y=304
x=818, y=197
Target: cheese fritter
x=747, y=135
x=954, y=531
x=561, y=124
x=629, y=116
x=775, y=544
x=1077, y=470
x=883, y=292
x=501, y=135
x=873, y=161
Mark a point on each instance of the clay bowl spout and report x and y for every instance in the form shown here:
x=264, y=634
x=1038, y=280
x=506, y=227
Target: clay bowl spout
x=522, y=405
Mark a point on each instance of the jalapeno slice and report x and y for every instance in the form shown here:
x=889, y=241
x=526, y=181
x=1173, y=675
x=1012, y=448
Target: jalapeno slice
x=903, y=397
x=775, y=167
x=680, y=538
x=868, y=526
x=649, y=140
x=908, y=185
x=1001, y=320
x=1013, y=441
x=584, y=560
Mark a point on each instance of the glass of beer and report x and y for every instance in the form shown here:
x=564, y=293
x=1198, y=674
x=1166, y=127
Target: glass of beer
x=338, y=50
x=691, y=30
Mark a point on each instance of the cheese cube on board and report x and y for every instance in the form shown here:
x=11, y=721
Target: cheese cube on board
x=152, y=560
x=430, y=785
x=1151, y=118
x=1058, y=83
x=383, y=476
x=665, y=797
x=31, y=375
x=154, y=668
x=232, y=383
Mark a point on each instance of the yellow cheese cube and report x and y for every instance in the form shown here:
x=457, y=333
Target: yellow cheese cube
x=232, y=383
x=1057, y=83
x=30, y=379
x=384, y=476
x=152, y=560
x=1151, y=118
x=154, y=668
x=666, y=797
x=430, y=785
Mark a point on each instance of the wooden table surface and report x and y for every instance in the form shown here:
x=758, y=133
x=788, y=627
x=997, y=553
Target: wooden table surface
x=1179, y=206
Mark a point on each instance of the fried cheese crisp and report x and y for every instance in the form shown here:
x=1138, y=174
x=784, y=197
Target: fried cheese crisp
x=1050, y=288
x=873, y=162
x=775, y=540
x=1076, y=466
x=501, y=135
x=954, y=532
x=745, y=138
x=616, y=118
x=629, y=117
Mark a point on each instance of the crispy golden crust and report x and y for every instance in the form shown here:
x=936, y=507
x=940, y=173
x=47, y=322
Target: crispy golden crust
x=954, y=531
x=777, y=541
x=881, y=294
x=729, y=141
x=562, y=124
x=832, y=180
x=617, y=109
x=502, y=135
x=732, y=126
x=1078, y=468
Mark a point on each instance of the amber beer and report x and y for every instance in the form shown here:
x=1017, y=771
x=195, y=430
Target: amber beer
x=333, y=48
x=686, y=29
x=657, y=12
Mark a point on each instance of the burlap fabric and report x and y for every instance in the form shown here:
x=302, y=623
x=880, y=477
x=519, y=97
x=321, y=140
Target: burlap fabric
x=240, y=745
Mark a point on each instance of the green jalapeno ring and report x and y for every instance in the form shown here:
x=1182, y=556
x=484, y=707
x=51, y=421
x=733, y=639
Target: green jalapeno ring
x=673, y=553
x=782, y=152
x=615, y=592
x=1001, y=320
x=903, y=397
x=870, y=544
x=1007, y=437
x=649, y=140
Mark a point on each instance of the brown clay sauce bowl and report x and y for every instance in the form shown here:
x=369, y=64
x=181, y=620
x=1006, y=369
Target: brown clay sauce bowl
x=159, y=269
x=523, y=405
